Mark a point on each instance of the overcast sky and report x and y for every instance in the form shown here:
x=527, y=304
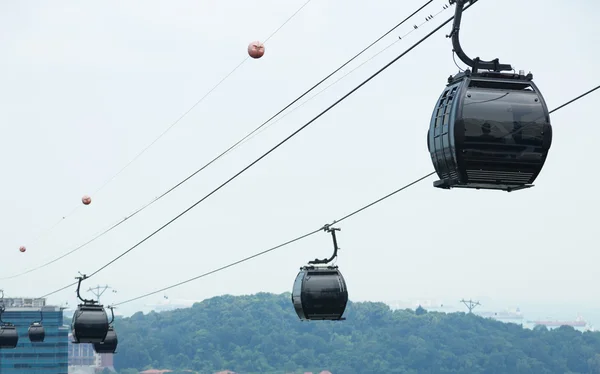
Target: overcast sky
x=85, y=86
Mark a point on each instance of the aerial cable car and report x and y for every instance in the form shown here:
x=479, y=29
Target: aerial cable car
x=489, y=129
x=9, y=337
x=109, y=345
x=36, y=330
x=90, y=322
x=319, y=292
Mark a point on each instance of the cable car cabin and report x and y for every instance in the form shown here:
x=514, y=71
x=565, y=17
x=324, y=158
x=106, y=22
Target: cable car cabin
x=90, y=324
x=36, y=332
x=320, y=293
x=489, y=130
x=109, y=345
x=9, y=337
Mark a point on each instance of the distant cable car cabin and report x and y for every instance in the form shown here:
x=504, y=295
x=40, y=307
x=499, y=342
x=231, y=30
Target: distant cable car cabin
x=489, y=129
x=9, y=337
x=109, y=345
x=319, y=292
x=36, y=332
x=90, y=322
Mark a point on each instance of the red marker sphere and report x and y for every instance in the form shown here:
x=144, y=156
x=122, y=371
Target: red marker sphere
x=22, y=249
x=86, y=200
x=256, y=49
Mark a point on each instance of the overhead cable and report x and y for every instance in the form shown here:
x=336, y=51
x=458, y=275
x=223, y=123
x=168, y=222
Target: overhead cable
x=245, y=138
x=245, y=259
x=272, y=149
x=160, y=136
x=278, y=246
x=307, y=234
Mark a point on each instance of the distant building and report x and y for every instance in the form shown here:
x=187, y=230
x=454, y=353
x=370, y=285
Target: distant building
x=48, y=357
x=83, y=355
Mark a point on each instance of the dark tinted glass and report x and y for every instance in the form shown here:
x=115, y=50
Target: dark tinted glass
x=324, y=295
x=503, y=116
x=297, y=295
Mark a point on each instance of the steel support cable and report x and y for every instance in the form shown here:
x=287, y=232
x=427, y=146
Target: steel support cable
x=278, y=246
x=270, y=150
x=171, y=126
x=415, y=28
x=246, y=137
x=315, y=231
x=307, y=234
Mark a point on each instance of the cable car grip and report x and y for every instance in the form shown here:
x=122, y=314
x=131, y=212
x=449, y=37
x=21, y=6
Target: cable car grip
x=88, y=302
x=475, y=63
x=41, y=317
x=332, y=230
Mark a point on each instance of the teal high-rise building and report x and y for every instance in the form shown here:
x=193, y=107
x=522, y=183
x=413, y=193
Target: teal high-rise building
x=48, y=357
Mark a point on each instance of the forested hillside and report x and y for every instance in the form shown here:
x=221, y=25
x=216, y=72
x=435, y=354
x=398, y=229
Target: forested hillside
x=261, y=334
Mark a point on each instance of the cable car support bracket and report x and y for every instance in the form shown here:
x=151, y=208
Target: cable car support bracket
x=475, y=63
x=331, y=230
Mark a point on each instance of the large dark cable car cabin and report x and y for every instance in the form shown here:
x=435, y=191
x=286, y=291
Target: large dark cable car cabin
x=109, y=345
x=319, y=292
x=90, y=321
x=489, y=129
x=90, y=324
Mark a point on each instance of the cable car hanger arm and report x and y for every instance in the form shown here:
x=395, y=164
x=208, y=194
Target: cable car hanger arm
x=332, y=230
x=41, y=316
x=475, y=63
x=82, y=277
x=112, y=314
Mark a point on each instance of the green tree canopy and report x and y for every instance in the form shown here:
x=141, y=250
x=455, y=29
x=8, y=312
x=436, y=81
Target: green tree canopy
x=262, y=334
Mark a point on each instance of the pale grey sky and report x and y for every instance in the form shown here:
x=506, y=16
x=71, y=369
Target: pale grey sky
x=84, y=86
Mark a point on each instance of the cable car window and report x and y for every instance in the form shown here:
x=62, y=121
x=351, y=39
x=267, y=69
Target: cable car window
x=447, y=110
x=441, y=115
x=297, y=289
x=491, y=115
x=437, y=115
x=507, y=85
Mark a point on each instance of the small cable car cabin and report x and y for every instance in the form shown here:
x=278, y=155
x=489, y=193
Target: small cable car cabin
x=109, y=345
x=90, y=324
x=36, y=332
x=9, y=337
x=489, y=130
x=320, y=293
